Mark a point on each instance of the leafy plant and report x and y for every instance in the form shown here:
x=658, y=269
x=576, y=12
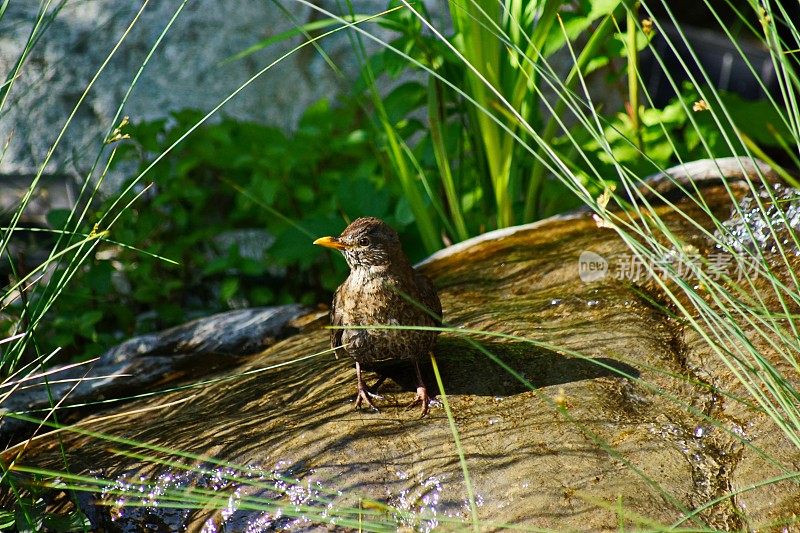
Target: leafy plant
x=454, y=132
x=477, y=142
x=227, y=222
x=459, y=141
x=672, y=133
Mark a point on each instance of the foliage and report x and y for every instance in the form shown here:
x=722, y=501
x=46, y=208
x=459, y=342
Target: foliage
x=235, y=208
x=483, y=98
x=668, y=135
x=458, y=129
x=476, y=141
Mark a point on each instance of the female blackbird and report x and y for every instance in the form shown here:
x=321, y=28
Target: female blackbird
x=383, y=289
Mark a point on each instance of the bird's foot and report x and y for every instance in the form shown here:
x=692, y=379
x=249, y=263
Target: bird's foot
x=364, y=396
x=423, y=398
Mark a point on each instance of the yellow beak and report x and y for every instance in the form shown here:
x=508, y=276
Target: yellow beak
x=330, y=242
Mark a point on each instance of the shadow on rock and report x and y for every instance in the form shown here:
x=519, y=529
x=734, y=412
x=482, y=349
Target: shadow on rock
x=466, y=369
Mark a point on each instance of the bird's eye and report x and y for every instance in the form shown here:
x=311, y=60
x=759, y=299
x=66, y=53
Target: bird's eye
x=363, y=241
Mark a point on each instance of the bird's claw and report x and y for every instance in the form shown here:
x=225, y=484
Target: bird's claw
x=364, y=397
x=421, y=397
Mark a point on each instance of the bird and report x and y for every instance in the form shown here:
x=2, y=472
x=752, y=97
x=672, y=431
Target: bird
x=383, y=289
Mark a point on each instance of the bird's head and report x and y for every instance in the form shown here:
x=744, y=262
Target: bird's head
x=367, y=242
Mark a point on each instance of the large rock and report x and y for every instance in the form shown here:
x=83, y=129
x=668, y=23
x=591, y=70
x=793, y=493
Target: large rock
x=143, y=364
x=579, y=405
x=187, y=70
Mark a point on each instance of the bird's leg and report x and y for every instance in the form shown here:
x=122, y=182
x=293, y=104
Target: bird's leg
x=422, y=392
x=372, y=390
x=363, y=392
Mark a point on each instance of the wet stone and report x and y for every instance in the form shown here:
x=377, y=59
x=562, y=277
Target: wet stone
x=571, y=400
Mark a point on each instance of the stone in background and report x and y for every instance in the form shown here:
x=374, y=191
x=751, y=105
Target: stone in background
x=186, y=71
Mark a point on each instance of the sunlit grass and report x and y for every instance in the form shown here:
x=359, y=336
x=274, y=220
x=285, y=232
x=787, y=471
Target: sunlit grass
x=733, y=318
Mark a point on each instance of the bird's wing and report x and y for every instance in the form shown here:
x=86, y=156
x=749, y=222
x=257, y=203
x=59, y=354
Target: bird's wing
x=428, y=296
x=336, y=320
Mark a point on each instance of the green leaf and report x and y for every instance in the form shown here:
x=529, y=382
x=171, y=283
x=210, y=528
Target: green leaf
x=33, y=510
x=317, y=112
x=99, y=277
x=57, y=218
x=87, y=321
x=261, y=296
x=756, y=119
x=404, y=99
x=304, y=193
x=403, y=212
x=228, y=289
x=359, y=197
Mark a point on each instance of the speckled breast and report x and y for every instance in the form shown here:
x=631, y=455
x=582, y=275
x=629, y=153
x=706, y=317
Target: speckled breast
x=383, y=345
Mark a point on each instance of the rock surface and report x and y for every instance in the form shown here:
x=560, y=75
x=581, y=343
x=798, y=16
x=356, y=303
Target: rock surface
x=141, y=364
x=187, y=70
x=578, y=405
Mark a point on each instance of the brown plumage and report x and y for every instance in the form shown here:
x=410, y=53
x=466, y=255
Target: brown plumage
x=382, y=289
